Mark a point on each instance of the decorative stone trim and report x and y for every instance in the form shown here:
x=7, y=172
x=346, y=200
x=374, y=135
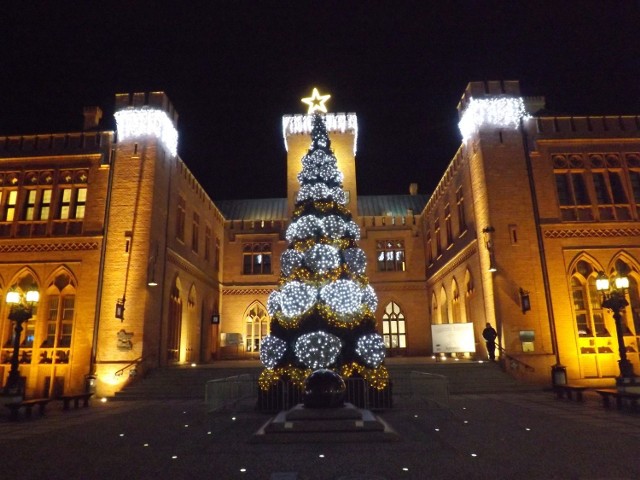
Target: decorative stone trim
x=591, y=232
x=247, y=291
x=48, y=247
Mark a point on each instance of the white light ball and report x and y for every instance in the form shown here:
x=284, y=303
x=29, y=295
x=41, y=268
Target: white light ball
x=272, y=349
x=290, y=260
x=342, y=296
x=273, y=303
x=317, y=349
x=296, y=298
x=338, y=195
x=356, y=259
x=330, y=174
x=315, y=158
x=303, y=228
x=333, y=226
x=321, y=258
x=353, y=230
x=369, y=297
x=370, y=348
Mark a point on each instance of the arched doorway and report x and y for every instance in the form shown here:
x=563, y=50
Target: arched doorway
x=190, y=328
x=595, y=342
x=56, y=343
x=394, y=330
x=33, y=333
x=174, y=322
x=256, y=326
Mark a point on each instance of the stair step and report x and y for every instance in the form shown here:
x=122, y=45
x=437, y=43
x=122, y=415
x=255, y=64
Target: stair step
x=188, y=383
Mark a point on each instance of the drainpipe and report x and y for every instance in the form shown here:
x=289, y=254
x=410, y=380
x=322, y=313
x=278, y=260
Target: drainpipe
x=91, y=378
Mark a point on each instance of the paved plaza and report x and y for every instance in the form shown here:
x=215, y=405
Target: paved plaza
x=492, y=436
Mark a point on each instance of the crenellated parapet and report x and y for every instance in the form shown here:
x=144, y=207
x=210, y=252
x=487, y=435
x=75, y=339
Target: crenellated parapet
x=191, y=182
x=617, y=126
x=443, y=185
x=335, y=122
x=495, y=104
x=55, y=144
x=139, y=115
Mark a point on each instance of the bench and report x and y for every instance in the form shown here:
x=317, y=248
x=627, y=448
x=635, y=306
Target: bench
x=569, y=390
x=75, y=398
x=28, y=405
x=608, y=393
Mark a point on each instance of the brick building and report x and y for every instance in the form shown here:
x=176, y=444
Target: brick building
x=529, y=210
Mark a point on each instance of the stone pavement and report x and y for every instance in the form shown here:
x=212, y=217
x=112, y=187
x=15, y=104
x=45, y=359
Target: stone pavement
x=481, y=436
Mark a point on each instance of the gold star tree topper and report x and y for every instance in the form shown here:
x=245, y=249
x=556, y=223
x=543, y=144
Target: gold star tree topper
x=316, y=101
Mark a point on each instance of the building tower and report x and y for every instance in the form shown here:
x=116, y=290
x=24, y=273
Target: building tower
x=135, y=234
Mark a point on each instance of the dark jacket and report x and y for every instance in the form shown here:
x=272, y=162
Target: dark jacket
x=489, y=334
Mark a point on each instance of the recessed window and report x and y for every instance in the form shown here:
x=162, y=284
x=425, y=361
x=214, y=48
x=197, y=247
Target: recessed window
x=195, y=233
x=256, y=259
x=394, y=327
x=447, y=224
x=390, y=255
x=181, y=217
x=207, y=243
x=462, y=222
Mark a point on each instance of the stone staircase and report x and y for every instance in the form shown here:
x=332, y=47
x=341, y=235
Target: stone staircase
x=183, y=381
x=463, y=377
x=186, y=382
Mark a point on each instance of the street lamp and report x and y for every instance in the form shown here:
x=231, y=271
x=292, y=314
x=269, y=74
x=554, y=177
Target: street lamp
x=20, y=311
x=613, y=298
x=488, y=243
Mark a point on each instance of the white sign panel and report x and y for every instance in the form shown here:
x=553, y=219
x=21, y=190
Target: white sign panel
x=453, y=338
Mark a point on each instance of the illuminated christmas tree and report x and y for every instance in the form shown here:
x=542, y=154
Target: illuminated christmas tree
x=322, y=313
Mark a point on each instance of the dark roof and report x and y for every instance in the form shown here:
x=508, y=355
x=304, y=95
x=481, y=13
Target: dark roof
x=391, y=205
x=276, y=208
x=253, y=209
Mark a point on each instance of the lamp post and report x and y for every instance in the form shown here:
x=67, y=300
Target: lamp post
x=613, y=298
x=20, y=311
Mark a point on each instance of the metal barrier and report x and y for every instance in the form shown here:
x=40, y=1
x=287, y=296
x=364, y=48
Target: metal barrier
x=224, y=392
x=284, y=395
x=427, y=388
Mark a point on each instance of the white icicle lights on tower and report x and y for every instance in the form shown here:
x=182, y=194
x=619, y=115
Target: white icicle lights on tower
x=322, y=313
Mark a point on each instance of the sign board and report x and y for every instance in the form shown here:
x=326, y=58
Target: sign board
x=527, y=337
x=453, y=338
x=231, y=339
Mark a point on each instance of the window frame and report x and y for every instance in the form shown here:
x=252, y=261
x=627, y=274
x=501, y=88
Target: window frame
x=391, y=255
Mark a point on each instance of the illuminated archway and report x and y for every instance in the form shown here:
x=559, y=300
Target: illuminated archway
x=595, y=343
x=25, y=280
x=174, y=322
x=456, y=315
x=434, y=309
x=54, y=333
x=256, y=326
x=394, y=329
x=444, y=306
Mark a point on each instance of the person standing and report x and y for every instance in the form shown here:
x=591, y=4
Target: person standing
x=489, y=334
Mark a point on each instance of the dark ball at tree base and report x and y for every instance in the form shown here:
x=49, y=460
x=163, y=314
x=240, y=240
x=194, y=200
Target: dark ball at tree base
x=324, y=389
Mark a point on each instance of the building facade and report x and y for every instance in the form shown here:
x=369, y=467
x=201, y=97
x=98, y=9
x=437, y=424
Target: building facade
x=530, y=210
x=120, y=240
x=138, y=268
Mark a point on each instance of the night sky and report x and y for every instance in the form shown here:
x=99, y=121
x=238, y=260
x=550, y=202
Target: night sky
x=233, y=68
